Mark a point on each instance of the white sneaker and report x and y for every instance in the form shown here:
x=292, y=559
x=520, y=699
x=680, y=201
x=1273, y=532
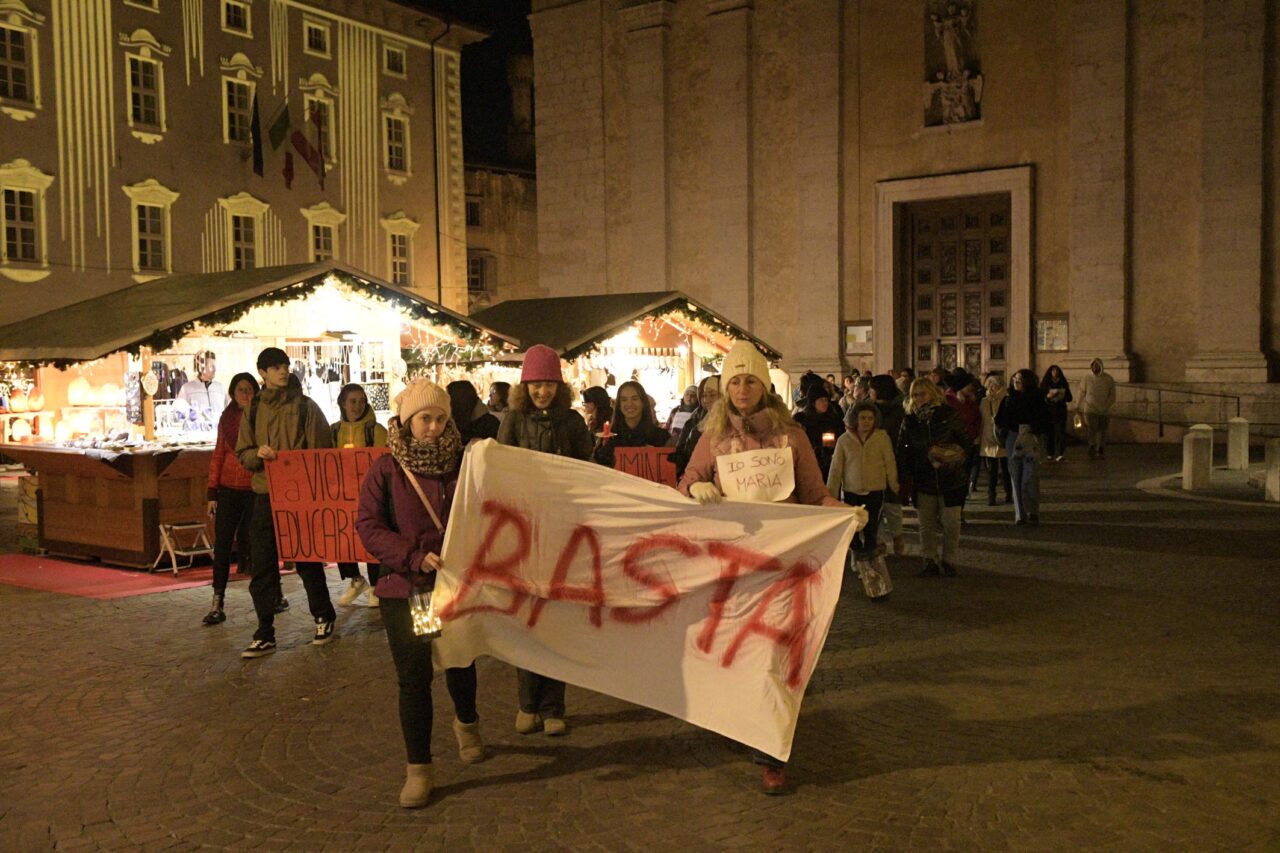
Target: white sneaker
x=353, y=591
x=373, y=599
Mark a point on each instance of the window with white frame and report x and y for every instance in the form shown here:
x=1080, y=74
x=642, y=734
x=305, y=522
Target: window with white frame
x=24, y=249
x=19, y=60
x=244, y=246
x=393, y=60
x=15, y=65
x=149, y=5
x=315, y=38
x=322, y=224
x=321, y=242
x=151, y=248
x=237, y=110
x=151, y=241
x=319, y=114
x=236, y=17
x=397, y=137
x=144, y=93
x=400, y=259
x=21, y=227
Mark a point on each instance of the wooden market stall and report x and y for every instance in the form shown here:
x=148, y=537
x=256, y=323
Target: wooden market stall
x=664, y=339
x=117, y=453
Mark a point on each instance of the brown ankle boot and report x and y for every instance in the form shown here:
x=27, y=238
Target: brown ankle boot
x=470, y=746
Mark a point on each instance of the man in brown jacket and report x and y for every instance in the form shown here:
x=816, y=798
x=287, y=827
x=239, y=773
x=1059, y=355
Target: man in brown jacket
x=281, y=417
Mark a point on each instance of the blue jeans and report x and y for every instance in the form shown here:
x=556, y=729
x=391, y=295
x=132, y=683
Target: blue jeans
x=1024, y=472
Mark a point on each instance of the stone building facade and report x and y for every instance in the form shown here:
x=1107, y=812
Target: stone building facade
x=502, y=235
x=992, y=183
x=126, y=143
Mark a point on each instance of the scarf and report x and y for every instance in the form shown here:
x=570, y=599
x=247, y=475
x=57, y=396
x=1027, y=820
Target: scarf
x=436, y=458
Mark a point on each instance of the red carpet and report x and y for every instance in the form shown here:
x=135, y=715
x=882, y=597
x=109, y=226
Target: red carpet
x=95, y=581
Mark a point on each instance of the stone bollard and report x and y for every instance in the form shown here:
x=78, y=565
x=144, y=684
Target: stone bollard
x=1272, y=473
x=1197, y=460
x=1238, y=444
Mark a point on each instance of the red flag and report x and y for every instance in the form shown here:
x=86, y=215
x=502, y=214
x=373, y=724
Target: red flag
x=288, y=170
x=309, y=153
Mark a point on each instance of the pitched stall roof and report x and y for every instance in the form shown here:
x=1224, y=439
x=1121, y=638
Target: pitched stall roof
x=133, y=315
x=571, y=325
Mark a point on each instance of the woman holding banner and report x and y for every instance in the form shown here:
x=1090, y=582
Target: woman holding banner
x=634, y=424
x=357, y=427
x=541, y=418
x=748, y=417
x=404, y=507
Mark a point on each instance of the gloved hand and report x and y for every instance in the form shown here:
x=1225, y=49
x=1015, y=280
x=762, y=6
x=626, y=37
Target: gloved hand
x=860, y=513
x=705, y=493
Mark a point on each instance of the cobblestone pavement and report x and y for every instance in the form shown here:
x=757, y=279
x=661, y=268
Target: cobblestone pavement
x=1108, y=681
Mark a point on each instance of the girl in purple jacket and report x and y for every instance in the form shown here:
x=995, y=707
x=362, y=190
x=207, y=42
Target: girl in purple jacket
x=396, y=528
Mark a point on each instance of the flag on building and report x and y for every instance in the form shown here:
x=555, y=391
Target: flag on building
x=309, y=153
x=288, y=170
x=255, y=133
x=278, y=129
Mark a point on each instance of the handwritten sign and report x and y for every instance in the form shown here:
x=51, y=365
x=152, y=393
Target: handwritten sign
x=678, y=420
x=648, y=463
x=630, y=589
x=767, y=474
x=314, y=500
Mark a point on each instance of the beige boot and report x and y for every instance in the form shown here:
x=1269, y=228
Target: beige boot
x=417, y=786
x=527, y=723
x=470, y=746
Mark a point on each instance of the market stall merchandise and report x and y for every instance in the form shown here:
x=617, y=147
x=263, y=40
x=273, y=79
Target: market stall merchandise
x=115, y=423
x=664, y=340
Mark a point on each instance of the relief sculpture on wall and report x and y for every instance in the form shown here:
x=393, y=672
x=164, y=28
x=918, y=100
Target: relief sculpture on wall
x=953, y=74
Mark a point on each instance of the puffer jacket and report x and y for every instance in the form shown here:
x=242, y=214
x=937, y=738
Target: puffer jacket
x=225, y=469
x=358, y=433
x=395, y=528
x=921, y=430
x=641, y=436
x=559, y=431
x=810, y=487
x=282, y=419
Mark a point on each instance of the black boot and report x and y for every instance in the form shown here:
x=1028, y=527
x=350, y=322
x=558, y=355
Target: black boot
x=215, y=616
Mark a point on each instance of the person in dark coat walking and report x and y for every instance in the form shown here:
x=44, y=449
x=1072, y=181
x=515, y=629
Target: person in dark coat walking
x=541, y=419
x=884, y=393
x=473, y=419
x=823, y=423
x=708, y=394
x=931, y=453
x=402, y=497
x=634, y=424
x=1057, y=393
x=1024, y=423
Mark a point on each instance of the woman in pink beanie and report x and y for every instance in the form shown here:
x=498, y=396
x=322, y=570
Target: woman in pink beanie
x=541, y=418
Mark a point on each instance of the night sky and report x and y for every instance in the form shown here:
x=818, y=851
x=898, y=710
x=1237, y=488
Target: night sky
x=486, y=98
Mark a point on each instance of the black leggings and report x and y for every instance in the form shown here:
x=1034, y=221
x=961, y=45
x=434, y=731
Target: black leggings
x=872, y=501
x=230, y=528
x=351, y=571
x=412, y=657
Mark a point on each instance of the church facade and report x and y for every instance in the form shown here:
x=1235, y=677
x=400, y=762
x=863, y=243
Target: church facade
x=991, y=184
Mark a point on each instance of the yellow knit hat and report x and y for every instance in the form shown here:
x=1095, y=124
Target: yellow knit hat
x=743, y=357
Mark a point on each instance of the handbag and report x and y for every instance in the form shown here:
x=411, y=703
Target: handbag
x=1027, y=444
x=426, y=622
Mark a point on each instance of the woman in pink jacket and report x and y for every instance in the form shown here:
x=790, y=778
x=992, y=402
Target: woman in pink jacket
x=749, y=417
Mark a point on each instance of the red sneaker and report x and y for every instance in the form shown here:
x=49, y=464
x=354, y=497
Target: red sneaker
x=774, y=781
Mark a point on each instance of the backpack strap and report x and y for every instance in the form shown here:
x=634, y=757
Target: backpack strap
x=369, y=431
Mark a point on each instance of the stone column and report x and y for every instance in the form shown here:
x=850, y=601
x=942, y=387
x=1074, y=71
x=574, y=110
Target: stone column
x=817, y=167
x=647, y=26
x=1097, y=140
x=1229, y=325
x=568, y=67
x=731, y=289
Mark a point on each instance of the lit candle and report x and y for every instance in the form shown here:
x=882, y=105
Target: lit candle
x=828, y=439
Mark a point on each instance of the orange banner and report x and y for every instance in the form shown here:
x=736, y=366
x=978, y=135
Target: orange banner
x=314, y=499
x=648, y=463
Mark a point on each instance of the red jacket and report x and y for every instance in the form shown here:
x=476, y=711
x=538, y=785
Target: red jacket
x=225, y=469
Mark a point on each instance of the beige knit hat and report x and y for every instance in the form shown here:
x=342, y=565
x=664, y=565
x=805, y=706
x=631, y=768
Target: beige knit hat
x=743, y=357
x=418, y=395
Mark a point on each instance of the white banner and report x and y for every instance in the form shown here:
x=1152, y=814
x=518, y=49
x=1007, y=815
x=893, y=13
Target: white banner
x=714, y=614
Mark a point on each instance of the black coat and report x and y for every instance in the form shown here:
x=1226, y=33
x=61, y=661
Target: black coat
x=815, y=424
x=919, y=433
x=641, y=436
x=559, y=431
x=1023, y=407
x=688, y=440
